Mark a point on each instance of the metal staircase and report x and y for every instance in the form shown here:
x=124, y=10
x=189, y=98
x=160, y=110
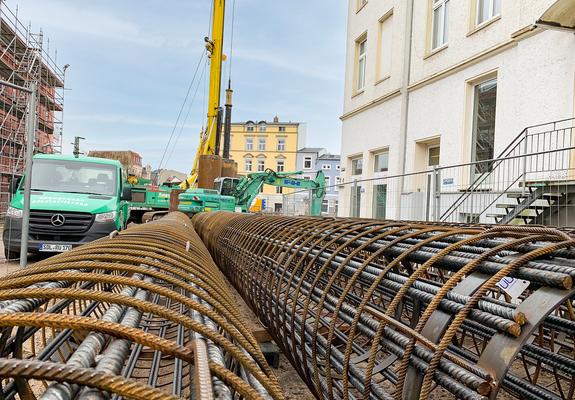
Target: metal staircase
x=530, y=206
x=526, y=183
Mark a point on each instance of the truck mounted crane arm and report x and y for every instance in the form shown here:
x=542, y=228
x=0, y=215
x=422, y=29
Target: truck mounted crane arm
x=214, y=47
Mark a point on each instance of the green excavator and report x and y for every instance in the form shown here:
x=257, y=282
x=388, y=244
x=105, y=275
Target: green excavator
x=228, y=194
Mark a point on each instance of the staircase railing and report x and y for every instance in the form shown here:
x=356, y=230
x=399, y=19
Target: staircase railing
x=527, y=153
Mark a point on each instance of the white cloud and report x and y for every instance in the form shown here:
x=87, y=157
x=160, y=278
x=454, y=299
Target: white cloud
x=290, y=63
x=73, y=18
x=120, y=119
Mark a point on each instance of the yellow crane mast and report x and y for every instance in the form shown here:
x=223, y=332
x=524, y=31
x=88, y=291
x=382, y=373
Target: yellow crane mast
x=214, y=46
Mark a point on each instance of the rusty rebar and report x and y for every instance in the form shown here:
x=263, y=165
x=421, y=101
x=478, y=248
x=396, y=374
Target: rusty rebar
x=390, y=309
x=145, y=314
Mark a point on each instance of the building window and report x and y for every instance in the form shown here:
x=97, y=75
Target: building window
x=337, y=183
x=355, y=201
x=338, y=167
x=381, y=161
x=379, y=201
x=361, y=63
x=281, y=129
x=440, y=22
x=325, y=207
x=279, y=189
x=262, y=144
x=328, y=182
x=249, y=127
x=307, y=163
x=248, y=165
x=325, y=166
x=280, y=166
x=385, y=46
x=433, y=156
x=261, y=165
x=487, y=9
x=281, y=144
x=249, y=144
x=484, y=124
x=357, y=166
x=262, y=127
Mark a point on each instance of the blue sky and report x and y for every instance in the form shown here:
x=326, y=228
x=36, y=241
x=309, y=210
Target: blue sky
x=131, y=62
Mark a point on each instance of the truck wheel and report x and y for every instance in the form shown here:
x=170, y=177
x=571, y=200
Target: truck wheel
x=11, y=254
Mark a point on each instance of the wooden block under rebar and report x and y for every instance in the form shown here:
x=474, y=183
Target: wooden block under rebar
x=261, y=335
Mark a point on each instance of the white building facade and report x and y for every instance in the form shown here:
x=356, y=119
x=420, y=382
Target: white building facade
x=434, y=83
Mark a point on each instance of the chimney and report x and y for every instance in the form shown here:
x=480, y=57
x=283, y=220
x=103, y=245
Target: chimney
x=276, y=119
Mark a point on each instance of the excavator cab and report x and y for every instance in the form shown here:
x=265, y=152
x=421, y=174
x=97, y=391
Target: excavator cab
x=226, y=186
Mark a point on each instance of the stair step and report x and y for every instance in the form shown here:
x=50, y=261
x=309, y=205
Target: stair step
x=553, y=195
x=517, y=195
x=495, y=215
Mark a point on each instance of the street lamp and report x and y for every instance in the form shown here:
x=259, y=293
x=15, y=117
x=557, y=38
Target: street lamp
x=30, y=139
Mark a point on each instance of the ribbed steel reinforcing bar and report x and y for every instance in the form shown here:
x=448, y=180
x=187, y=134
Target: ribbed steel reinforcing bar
x=145, y=314
x=396, y=310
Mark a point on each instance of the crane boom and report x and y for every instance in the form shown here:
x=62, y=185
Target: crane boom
x=215, y=46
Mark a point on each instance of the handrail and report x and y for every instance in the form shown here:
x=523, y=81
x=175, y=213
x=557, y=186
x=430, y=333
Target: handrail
x=511, y=147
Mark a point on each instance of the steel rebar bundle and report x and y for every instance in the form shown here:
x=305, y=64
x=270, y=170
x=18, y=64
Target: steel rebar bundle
x=144, y=314
x=390, y=310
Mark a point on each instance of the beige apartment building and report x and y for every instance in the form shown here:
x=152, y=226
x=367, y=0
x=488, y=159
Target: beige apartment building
x=259, y=145
x=433, y=83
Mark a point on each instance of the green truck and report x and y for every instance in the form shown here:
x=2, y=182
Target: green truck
x=73, y=201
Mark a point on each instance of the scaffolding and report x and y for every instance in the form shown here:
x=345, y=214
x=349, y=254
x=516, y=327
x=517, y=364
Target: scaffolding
x=24, y=60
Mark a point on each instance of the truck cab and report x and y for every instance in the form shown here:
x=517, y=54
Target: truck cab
x=73, y=201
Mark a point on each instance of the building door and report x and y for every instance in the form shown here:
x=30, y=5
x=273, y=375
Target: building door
x=379, y=201
x=355, y=201
x=278, y=208
x=484, y=125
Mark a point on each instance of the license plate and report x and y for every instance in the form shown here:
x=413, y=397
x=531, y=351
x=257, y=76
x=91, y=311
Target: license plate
x=56, y=248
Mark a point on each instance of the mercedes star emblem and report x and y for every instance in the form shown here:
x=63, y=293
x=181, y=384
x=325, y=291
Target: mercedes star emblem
x=57, y=220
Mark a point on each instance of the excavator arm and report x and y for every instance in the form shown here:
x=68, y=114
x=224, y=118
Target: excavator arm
x=249, y=187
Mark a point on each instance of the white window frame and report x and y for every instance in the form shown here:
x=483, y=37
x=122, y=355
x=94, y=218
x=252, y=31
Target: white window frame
x=325, y=166
x=375, y=155
x=337, y=183
x=384, y=47
x=281, y=145
x=262, y=127
x=249, y=144
x=443, y=22
x=328, y=182
x=250, y=127
x=261, y=144
x=261, y=165
x=429, y=153
x=338, y=167
x=278, y=164
x=248, y=163
x=362, y=166
x=279, y=190
x=310, y=159
x=493, y=12
x=361, y=63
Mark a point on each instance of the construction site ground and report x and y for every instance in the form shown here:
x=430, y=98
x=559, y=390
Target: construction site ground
x=292, y=384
